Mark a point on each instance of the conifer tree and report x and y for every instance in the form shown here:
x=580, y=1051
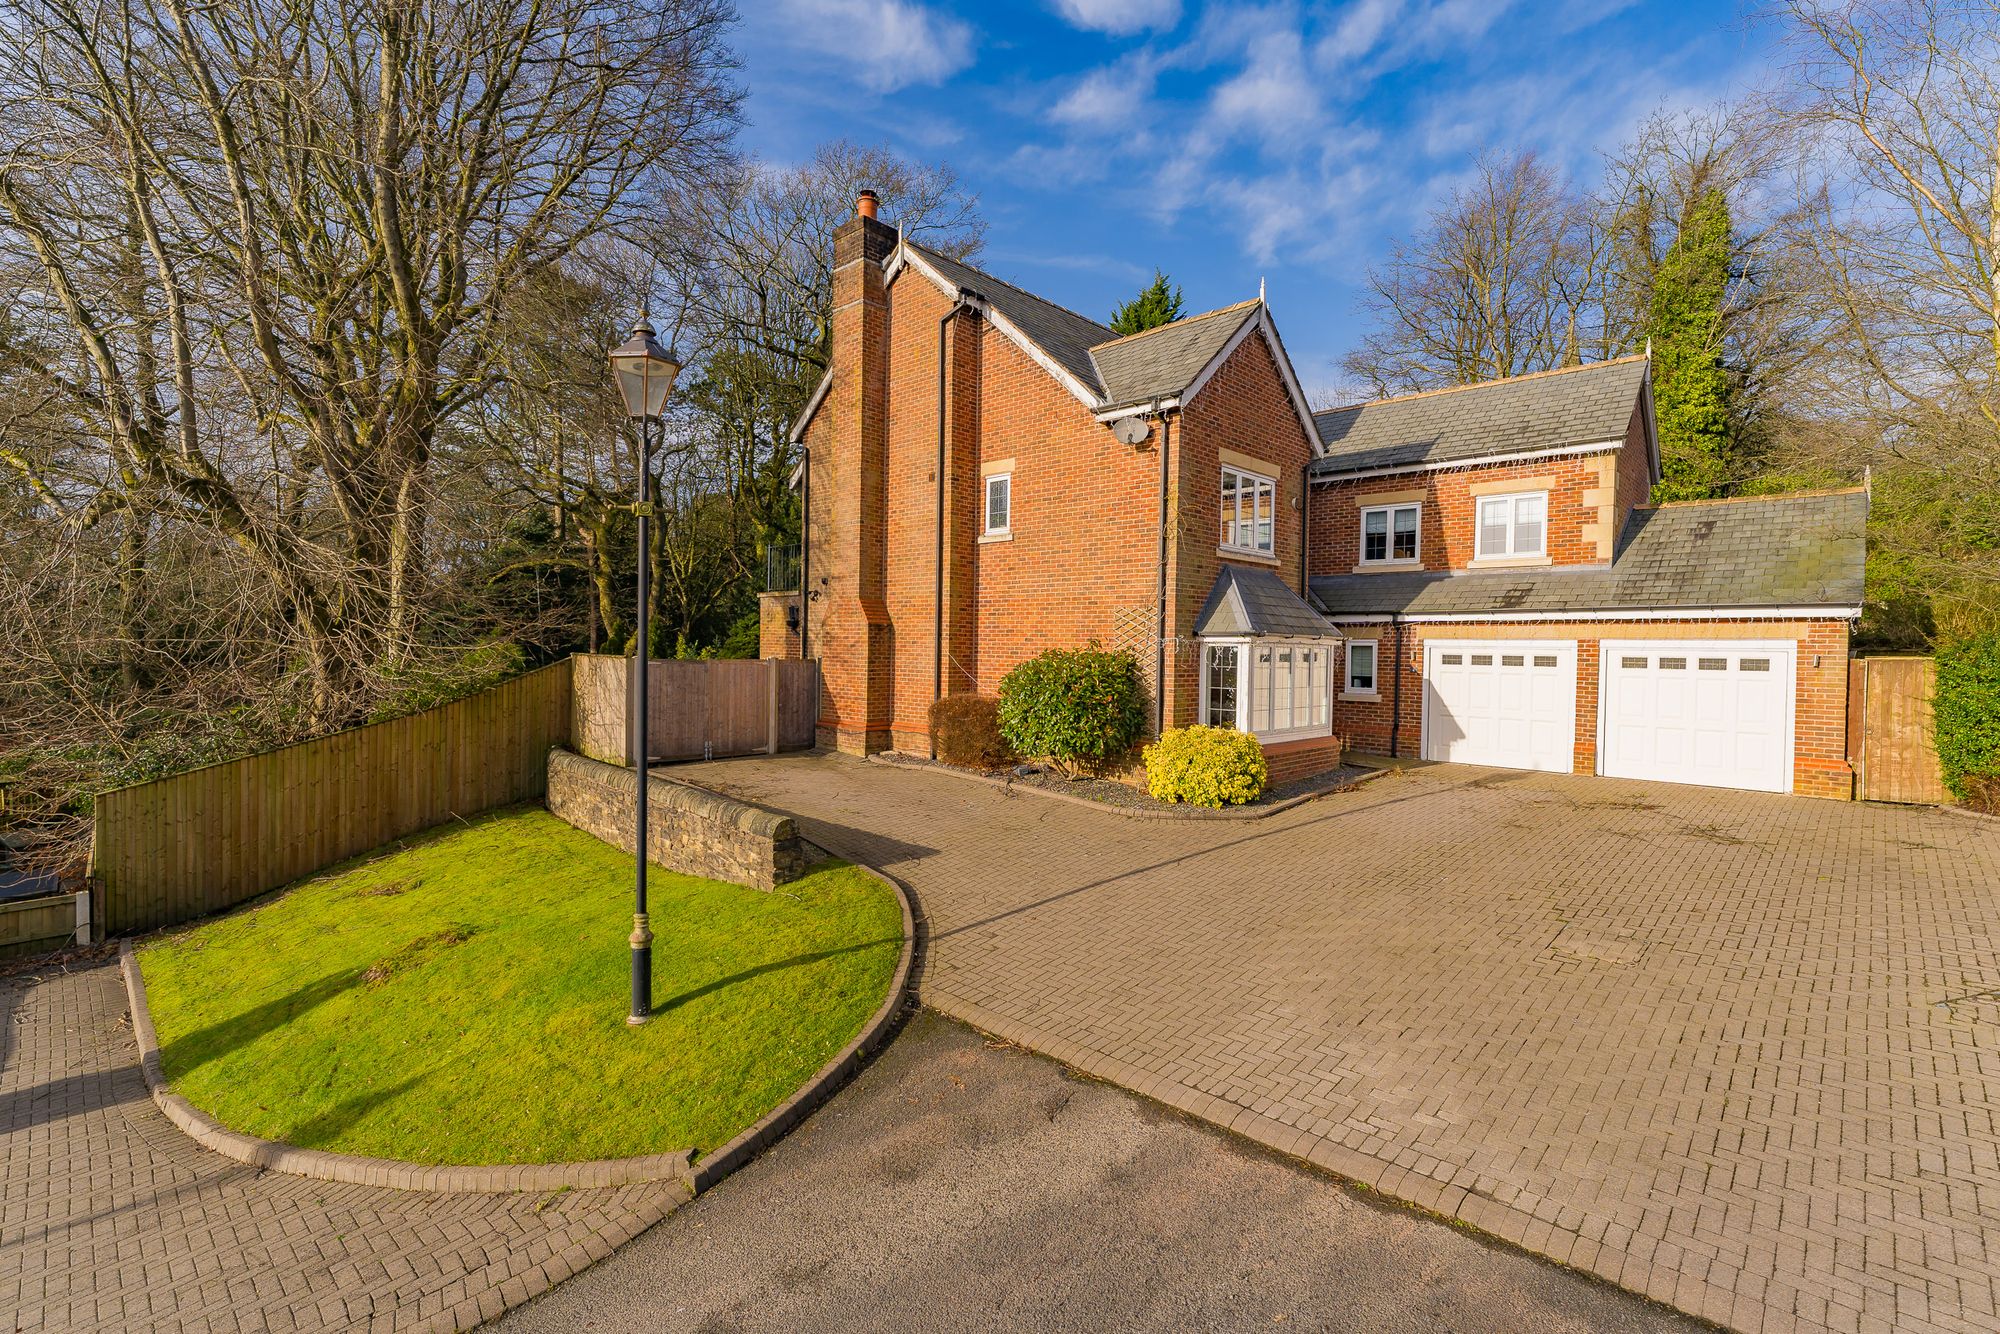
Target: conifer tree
x=1691, y=385
x=1159, y=304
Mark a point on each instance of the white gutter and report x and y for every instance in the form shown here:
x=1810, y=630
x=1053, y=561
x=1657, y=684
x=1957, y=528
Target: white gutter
x=1481, y=461
x=1650, y=614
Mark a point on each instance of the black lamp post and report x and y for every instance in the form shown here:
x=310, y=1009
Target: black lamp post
x=645, y=373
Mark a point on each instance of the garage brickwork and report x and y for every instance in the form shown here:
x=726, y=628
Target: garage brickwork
x=1819, y=761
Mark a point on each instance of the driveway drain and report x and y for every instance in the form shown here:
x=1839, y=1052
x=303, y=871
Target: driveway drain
x=1579, y=944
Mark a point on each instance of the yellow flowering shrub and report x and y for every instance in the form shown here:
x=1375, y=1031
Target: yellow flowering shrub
x=1206, y=766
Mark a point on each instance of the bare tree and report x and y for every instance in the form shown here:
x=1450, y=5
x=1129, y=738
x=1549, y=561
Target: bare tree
x=1903, y=103
x=1505, y=278
x=276, y=245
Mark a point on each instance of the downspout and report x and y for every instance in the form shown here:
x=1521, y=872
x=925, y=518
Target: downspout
x=1305, y=527
x=805, y=554
x=1160, y=614
x=1396, y=686
x=937, y=594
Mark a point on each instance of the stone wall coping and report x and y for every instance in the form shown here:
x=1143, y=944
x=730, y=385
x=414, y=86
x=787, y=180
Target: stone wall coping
x=665, y=791
x=1129, y=813
x=677, y=1167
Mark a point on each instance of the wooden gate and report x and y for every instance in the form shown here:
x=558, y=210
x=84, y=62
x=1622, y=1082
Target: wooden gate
x=1897, y=757
x=698, y=709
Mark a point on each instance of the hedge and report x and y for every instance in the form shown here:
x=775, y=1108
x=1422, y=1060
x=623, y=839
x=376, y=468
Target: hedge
x=1965, y=719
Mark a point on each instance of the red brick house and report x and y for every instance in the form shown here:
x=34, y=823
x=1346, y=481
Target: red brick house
x=1467, y=575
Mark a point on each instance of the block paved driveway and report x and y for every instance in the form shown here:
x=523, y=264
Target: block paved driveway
x=1738, y=1052
x=112, y=1219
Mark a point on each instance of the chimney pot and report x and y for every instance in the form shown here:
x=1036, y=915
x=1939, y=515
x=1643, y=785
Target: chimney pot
x=866, y=204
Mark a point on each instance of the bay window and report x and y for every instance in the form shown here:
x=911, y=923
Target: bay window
x=1274, y=689
x=1510, y=526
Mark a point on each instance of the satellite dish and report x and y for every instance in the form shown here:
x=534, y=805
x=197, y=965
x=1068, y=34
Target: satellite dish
x=1131, y=430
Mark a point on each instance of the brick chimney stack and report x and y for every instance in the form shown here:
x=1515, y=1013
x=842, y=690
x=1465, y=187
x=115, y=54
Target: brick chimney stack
x=850, y=492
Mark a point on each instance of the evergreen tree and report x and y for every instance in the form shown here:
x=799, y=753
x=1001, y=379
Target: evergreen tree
x=1691, y=385
x=1159, y=304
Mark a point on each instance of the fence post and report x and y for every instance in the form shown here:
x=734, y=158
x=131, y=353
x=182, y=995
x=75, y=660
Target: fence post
x=83, y=917
x=771, y=705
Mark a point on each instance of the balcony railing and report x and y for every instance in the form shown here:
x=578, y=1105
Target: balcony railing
x=781, y=569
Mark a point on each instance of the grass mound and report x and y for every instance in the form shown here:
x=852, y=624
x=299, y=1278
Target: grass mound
x=462, y=1000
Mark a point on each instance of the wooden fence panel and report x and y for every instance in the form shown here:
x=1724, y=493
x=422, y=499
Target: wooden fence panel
x=712, y=707
x=1898, y=753
x=798, y=703
x=196, y=843
x=37, y=926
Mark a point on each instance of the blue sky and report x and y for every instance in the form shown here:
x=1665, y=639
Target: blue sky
x=1227, y=143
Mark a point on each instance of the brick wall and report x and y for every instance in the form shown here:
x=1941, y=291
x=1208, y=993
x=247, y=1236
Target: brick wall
x=1584, y=510
x=775, y=637
x=688, y=829
x=1819, y=762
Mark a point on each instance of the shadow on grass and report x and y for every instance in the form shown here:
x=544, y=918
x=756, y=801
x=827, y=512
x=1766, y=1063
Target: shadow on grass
x=779, y=965
x=190, y=1051
x=319, y=1131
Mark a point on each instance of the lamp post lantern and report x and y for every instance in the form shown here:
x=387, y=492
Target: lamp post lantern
x=645, y=372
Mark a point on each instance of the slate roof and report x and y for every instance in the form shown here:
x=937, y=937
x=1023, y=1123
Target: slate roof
x=1548, y=410
x=1806, y=550
x=1256, y=601
x=1161, y=362
x=1065, y=335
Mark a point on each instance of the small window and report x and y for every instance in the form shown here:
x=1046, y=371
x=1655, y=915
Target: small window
x=1249, y=506
x=1545, y=660
x=1512, y=660
x=1389, y=533
x=999, y=503
x=1633, y=664
x=1452, y=659
x=1673, y=664
x=1482, y=660
x=1714, y=664
x=1361, y=666
x=1511, y=526
x=1754, y=665
x=1219, y=703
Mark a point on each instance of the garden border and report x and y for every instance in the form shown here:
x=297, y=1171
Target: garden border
x=893, y=760
x=678, y=1166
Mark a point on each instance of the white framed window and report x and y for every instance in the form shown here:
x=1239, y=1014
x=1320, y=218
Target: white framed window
x=1249, y=505
x=1361, y=666
x=999, y=504
x=1515, y=525
x=1390, y=534
x=1275, y=689
x=1221, y=672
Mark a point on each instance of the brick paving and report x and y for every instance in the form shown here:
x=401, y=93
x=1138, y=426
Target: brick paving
x=113, y=1219
x=1738, y=1052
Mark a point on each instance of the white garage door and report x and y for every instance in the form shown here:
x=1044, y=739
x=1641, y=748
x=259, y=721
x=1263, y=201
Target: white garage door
x=1507, y=704
x=1708, y=712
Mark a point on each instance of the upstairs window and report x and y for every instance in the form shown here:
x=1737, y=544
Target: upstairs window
x=1248, y=505
x=1389, y=534
x=999, y=503
x=1512, y=526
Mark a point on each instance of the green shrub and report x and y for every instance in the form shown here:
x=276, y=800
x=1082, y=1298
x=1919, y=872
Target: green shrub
x=966, y=729
x=1965, y=715
x=1076, y=707
x=1206, y=766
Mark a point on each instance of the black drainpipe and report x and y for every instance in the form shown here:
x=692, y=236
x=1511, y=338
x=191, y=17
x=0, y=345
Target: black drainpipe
x=1395, y=689
x=963, y=302
x=1160, y=615
x=805, y=549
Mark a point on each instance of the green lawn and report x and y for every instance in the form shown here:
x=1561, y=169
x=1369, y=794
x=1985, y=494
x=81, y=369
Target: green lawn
x=462, y=999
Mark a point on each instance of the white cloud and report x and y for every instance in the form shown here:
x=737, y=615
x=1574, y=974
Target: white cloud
x=891, y=43
x=1360, y=27
x=1120, y=16
x=1272, y=96
x=1106, y=99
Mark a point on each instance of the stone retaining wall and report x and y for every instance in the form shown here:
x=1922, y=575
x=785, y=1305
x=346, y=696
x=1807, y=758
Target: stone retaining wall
x=688, y=829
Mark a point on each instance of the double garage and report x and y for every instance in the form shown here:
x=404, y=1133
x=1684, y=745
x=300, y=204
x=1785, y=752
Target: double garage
x=1717, y=712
